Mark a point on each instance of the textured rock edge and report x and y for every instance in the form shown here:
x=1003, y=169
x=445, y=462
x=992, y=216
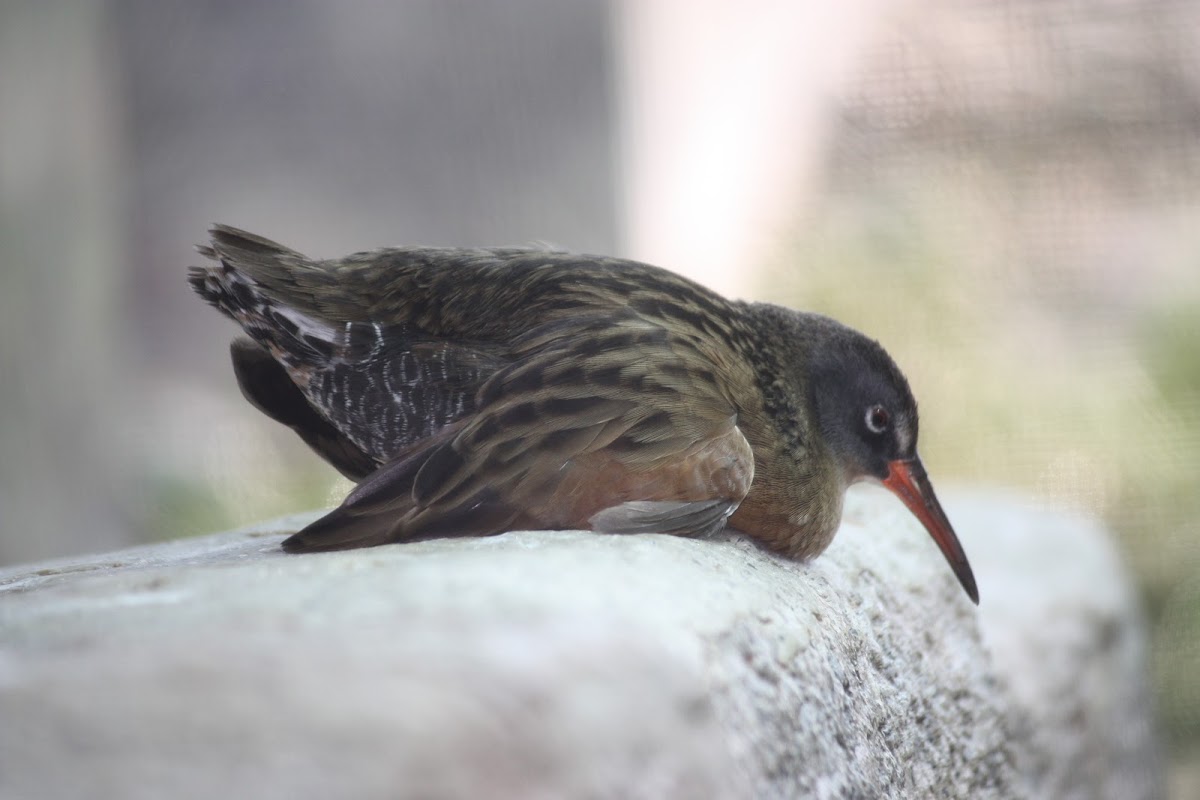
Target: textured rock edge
x=570, y=664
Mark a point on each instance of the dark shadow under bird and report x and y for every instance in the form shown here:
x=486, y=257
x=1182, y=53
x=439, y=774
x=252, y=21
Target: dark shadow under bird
x=475, y=391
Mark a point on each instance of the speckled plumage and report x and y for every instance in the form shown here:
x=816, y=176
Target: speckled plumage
x=473, y=391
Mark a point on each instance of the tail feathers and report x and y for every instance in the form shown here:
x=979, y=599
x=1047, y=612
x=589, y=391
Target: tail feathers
x=287, y=277
x=268, y=290
x=223, y=289
x=258, y=266
x=262, y=260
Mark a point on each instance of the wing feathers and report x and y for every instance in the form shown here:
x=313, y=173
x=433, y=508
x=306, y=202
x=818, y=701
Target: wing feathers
x=698, y=518
x=551, y=456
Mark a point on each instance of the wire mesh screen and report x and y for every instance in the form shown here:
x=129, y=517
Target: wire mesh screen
x=1012, y=190
x=1005, y=193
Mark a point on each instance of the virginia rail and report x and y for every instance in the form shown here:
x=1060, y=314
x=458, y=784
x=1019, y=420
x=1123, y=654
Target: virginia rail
x=475, y=391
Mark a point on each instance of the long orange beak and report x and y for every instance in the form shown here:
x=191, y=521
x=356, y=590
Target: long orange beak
x=908, y=481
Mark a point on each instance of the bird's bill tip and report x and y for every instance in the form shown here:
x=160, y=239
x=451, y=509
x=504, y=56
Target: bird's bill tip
x=907, y=480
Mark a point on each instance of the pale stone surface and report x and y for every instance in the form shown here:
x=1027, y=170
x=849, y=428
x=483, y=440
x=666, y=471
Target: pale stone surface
x=566, y=664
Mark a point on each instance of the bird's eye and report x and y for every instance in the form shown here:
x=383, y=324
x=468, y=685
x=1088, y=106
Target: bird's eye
x=878, y=419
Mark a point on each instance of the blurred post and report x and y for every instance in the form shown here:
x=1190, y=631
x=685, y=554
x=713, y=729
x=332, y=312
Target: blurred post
x=61, y=479
x=725, y=111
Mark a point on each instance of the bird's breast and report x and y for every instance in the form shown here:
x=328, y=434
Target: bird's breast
x=794, y=506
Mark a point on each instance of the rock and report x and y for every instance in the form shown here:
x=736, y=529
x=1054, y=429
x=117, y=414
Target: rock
x=571, y=665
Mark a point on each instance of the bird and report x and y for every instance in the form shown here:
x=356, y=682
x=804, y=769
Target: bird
x=474, y=391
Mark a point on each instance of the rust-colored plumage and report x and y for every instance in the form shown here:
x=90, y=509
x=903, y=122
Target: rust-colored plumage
x=474, y=391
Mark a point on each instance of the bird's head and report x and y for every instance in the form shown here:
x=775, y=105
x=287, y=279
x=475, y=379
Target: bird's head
x=867, y=417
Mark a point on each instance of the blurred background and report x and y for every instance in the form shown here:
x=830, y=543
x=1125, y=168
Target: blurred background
x=1005, y=193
